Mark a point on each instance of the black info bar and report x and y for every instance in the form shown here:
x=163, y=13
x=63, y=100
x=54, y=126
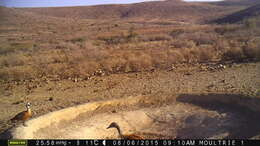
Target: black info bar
x=104, y=142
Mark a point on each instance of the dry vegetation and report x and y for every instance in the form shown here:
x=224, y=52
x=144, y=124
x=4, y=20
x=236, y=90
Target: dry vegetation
x=37, y=46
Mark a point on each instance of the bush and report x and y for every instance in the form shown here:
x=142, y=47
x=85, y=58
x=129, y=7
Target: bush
x=11, y=60
x=115, y=64
x=76, y=40
x=174, y=56
x=6, y=50
x=221, y=44
x=176, y=32
x=235, y=53
x=226, y=29
x=206, y=53
x=252, y=50
x=131, y=34
x=158, y=37
x=113, y=39
x=18, y=73
x=87, y=67
x=137, y=61
x=250, y=23
x=200, y=38
x=183, y=43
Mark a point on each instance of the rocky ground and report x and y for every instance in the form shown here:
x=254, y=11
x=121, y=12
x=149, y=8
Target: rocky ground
x=47, y=95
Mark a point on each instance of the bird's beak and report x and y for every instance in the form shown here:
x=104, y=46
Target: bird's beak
x=108, y=127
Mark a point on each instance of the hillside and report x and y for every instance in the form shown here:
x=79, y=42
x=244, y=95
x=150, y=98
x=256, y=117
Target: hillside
x=233, y=3
x=171, y=9
x=253, y=11
x=18, y=17
x=176, y=10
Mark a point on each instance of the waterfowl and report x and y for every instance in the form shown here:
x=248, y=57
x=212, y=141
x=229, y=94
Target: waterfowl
x=123, y=136
x=23, y=116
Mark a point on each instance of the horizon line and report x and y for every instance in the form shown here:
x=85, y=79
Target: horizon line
x=75, y=4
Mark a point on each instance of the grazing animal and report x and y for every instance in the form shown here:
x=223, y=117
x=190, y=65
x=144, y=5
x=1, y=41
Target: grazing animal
x=130, y=136
x=23, y=116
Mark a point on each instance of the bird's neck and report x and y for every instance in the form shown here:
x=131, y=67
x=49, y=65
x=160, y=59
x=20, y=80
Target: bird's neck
x=29, y=110
x=119, y=131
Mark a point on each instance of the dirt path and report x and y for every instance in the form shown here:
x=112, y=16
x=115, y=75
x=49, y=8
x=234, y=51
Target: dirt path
x=50, y=95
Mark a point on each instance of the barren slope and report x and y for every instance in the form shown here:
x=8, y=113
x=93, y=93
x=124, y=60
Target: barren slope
x=173, y=9
x=251, y=12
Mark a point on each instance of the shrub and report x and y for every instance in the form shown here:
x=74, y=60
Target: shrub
x=115, y=64
x=55, y=69
x=158, y=37
x=18, y=73
x=200, y=38
x=6, y=50
x=159, y=59
x=138, y=62
x=182, y=43
x=206, y=53
x=113, y=39
x=10, y=60
x=235, y=53
x=221, y=44
x=87, y=67
x=131, y=34
x=76, y=40
x=226, y=29
x=176, y=32
x=252, y=50
x=250, y=23
x=187, y=56
x=174, y=56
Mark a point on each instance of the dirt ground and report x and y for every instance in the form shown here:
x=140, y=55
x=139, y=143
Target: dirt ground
x=194, y=113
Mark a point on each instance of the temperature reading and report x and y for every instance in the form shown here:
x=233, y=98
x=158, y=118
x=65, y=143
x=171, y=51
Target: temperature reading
x=47, y=142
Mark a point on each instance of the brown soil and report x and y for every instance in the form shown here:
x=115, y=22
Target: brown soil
x=188, y=102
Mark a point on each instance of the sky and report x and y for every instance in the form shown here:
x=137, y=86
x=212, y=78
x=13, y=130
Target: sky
x=55, y=3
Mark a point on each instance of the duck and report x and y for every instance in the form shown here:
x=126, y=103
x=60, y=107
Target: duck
x=123, y=136
x=24, y=115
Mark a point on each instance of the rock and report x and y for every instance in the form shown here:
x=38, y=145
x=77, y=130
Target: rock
x=188, y=74
x=50, y=99
x=210, y=86
x=18, y=102
x=113, y=111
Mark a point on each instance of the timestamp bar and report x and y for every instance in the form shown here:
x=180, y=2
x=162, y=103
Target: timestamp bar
x=103, y=142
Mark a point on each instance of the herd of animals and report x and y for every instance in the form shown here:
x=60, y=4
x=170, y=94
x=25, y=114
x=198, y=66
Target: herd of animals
x=27, y=114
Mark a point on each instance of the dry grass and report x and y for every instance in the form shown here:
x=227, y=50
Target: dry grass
x=90, y=47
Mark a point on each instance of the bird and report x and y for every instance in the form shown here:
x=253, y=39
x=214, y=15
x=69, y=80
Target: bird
x=123, y=136
x=23, y=116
